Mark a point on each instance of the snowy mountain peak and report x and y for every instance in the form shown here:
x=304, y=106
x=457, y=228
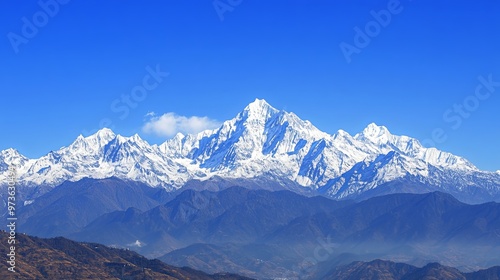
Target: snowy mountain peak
x=100, y=138
x=104, y=133
x=373, y=131
x=260, y=142
x=134, y=138
x=341, y=133
x=260, y=108
x=179, y=136
x=12, y=156
x=10, y=152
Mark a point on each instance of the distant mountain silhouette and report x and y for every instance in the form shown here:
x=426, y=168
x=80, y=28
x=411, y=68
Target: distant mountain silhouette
x=386, y=270
x=268, y=234
x=72, y=205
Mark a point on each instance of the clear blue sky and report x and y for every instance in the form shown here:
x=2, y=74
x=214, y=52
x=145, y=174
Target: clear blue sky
x=66, y=75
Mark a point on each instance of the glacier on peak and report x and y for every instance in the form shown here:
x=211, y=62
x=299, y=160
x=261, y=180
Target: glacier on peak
x=11, y=153
x=9, y=157
x=260, y=141
x=102, y=135
x=260, y=109
x=374, y=131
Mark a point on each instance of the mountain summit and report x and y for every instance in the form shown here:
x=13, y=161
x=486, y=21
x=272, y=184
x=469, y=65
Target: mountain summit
x=268, y=144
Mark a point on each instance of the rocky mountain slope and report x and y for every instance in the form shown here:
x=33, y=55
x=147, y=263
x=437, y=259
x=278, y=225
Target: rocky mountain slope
x=60, y=258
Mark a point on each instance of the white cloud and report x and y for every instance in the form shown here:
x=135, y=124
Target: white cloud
x=170, y=124
x=137, y=243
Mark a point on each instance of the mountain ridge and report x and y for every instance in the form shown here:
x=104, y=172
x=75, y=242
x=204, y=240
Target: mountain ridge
x=61, y=258
x=281, y=227
x=382, y=269
x=264, y=142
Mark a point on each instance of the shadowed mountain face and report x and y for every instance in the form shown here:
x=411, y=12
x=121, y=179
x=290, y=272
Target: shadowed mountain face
x=268, y=234
x=60, y=258
x=404, y=218
x=238, y=229
x=72, y=205
x=234, y=215
x=412, y=228
x=386, y=270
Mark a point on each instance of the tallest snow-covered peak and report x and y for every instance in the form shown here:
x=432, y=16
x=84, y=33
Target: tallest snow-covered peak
x=260, y=108
x=269, y=119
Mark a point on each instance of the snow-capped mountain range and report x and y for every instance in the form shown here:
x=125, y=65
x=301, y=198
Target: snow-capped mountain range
x=263, y=142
